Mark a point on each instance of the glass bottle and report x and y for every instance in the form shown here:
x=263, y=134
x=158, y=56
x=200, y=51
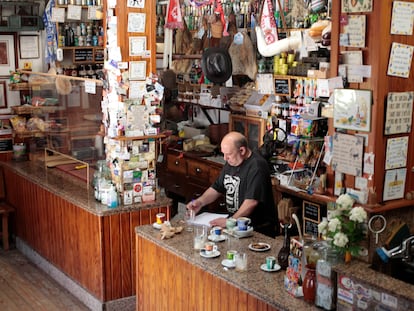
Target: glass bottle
x=283, y=255
x=309, y=284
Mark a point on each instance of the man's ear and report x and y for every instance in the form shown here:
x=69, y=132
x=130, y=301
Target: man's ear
x=243, y=150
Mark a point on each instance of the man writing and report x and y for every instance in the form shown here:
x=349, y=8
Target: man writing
x=245, y=182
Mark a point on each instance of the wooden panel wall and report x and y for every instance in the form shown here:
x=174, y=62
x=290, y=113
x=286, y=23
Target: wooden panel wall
x=167, y=282
x=97, y=252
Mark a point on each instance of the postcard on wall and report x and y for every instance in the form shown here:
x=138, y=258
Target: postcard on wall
x=347, y=154
x=58, y=15
x=136, y=4
x=352, y=109
x=394, y=184
x=402, y=18
x=136, y=22
x=352, y=58
x=396, y=155
x=355, y=29
x=354, y=6
x=399, y=111
x=399, y=64
x=74, y=12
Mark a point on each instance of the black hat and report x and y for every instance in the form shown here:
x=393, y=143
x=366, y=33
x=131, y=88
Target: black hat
x=216, y=64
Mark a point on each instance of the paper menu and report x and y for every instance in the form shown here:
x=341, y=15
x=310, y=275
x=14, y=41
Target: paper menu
x=206, y=217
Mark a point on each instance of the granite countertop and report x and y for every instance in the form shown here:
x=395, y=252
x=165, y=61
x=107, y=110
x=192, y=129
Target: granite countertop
x=73, y=189
x=362, y=272
x=267, y=286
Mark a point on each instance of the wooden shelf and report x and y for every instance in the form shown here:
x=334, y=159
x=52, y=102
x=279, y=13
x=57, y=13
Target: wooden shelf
x=127, y=138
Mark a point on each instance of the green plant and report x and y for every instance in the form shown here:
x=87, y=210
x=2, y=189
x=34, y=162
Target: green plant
x=346, y=226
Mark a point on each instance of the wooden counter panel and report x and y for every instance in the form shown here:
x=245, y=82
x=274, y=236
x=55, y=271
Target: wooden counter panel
x=163, y=277
x=98, y=252
x=58, y=230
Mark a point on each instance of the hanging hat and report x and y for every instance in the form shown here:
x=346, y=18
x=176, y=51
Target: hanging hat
x=216, y=64
x=63, y=85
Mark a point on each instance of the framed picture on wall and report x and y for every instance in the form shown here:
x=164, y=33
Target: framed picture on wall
x=8, y=56
x=352, y=109
x=3, y=95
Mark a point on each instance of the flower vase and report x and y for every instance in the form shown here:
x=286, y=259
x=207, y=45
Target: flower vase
x=309, y=284
x=347, y=256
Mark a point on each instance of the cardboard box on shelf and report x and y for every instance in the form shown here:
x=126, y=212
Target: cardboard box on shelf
x=190, y=132
x=259, y=105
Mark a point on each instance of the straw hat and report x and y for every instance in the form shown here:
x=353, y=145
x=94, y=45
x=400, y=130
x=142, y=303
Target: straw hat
x=216, y=64
x=63, y=85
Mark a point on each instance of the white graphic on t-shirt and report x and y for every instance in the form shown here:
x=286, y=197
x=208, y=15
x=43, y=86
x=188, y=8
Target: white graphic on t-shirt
x=232, y=184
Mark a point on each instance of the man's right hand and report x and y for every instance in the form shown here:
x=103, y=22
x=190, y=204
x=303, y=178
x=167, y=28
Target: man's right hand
x=195, y=205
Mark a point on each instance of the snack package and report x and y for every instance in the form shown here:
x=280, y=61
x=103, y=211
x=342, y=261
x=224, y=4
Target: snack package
x=18, y=123
x=293, y=278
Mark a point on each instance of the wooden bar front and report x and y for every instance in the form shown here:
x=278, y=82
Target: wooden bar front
x=97, y=251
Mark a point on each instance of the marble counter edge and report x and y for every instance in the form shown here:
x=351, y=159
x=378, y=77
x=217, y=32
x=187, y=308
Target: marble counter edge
x=74, y=190
x=151, y=234
x=369, y=276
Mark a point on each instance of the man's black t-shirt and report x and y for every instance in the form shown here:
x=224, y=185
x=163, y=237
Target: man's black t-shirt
x=250, y=180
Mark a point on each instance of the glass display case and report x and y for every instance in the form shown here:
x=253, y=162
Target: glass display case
x=60, y=113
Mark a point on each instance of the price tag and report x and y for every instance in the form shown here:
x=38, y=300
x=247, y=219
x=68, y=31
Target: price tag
x=90, y=87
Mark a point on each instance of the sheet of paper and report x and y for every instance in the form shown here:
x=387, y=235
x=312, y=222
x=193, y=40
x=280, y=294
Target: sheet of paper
x=206, y=217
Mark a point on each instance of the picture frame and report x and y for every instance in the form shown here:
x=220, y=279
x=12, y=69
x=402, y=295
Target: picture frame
x=29, y=46
x=399, y=111
x=137, y=70
x=8, y=57
x=139, y=4
x=137, y=46
x=352, y=109
x=3, y=94
x=394, y=184
x=136, y=22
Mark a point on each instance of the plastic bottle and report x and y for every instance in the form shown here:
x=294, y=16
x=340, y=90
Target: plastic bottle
x=112, y=197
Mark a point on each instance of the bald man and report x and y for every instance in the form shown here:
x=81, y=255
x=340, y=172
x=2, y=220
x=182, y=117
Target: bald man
x=245, y=182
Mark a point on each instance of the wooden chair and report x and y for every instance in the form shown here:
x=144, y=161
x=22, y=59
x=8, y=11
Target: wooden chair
x=5, y=210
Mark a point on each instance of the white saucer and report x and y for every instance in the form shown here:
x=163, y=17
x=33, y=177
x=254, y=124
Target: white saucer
x=275, y=268
x=212, y=255
x=217, y=238
x=156, y=226
x=259, y=247
x=243, y=233
x=228, y=263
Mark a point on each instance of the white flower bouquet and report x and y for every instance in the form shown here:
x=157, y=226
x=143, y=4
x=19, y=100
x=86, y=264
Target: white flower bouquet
x=346, y=227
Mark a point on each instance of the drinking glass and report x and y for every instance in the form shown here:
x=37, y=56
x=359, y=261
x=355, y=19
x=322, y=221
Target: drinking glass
x=240, y=261
x=189, y=218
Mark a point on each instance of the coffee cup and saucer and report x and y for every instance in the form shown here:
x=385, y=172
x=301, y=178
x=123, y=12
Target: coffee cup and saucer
x=210, y=250
x=216, y=234
x=270, y=265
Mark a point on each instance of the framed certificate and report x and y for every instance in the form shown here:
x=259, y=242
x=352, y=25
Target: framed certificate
x=137, y=46
x=29, y=46
x=137, y=70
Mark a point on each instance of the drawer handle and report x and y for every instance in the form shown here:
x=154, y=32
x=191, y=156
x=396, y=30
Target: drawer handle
x=176, y=162
x=177, y=186
x=198, y=170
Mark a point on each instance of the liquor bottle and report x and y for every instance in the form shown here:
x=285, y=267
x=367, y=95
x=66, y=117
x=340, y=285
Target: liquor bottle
x=283, y=255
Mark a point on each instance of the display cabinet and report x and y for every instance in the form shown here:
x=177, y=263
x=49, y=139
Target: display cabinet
x=67, y=120
x=251, y=127
x=81, y=39
x=20, y=16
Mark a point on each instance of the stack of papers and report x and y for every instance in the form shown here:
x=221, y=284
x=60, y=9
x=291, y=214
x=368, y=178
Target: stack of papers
x=206, y=217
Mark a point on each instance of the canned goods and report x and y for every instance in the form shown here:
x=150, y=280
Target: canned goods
x=61, y=41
